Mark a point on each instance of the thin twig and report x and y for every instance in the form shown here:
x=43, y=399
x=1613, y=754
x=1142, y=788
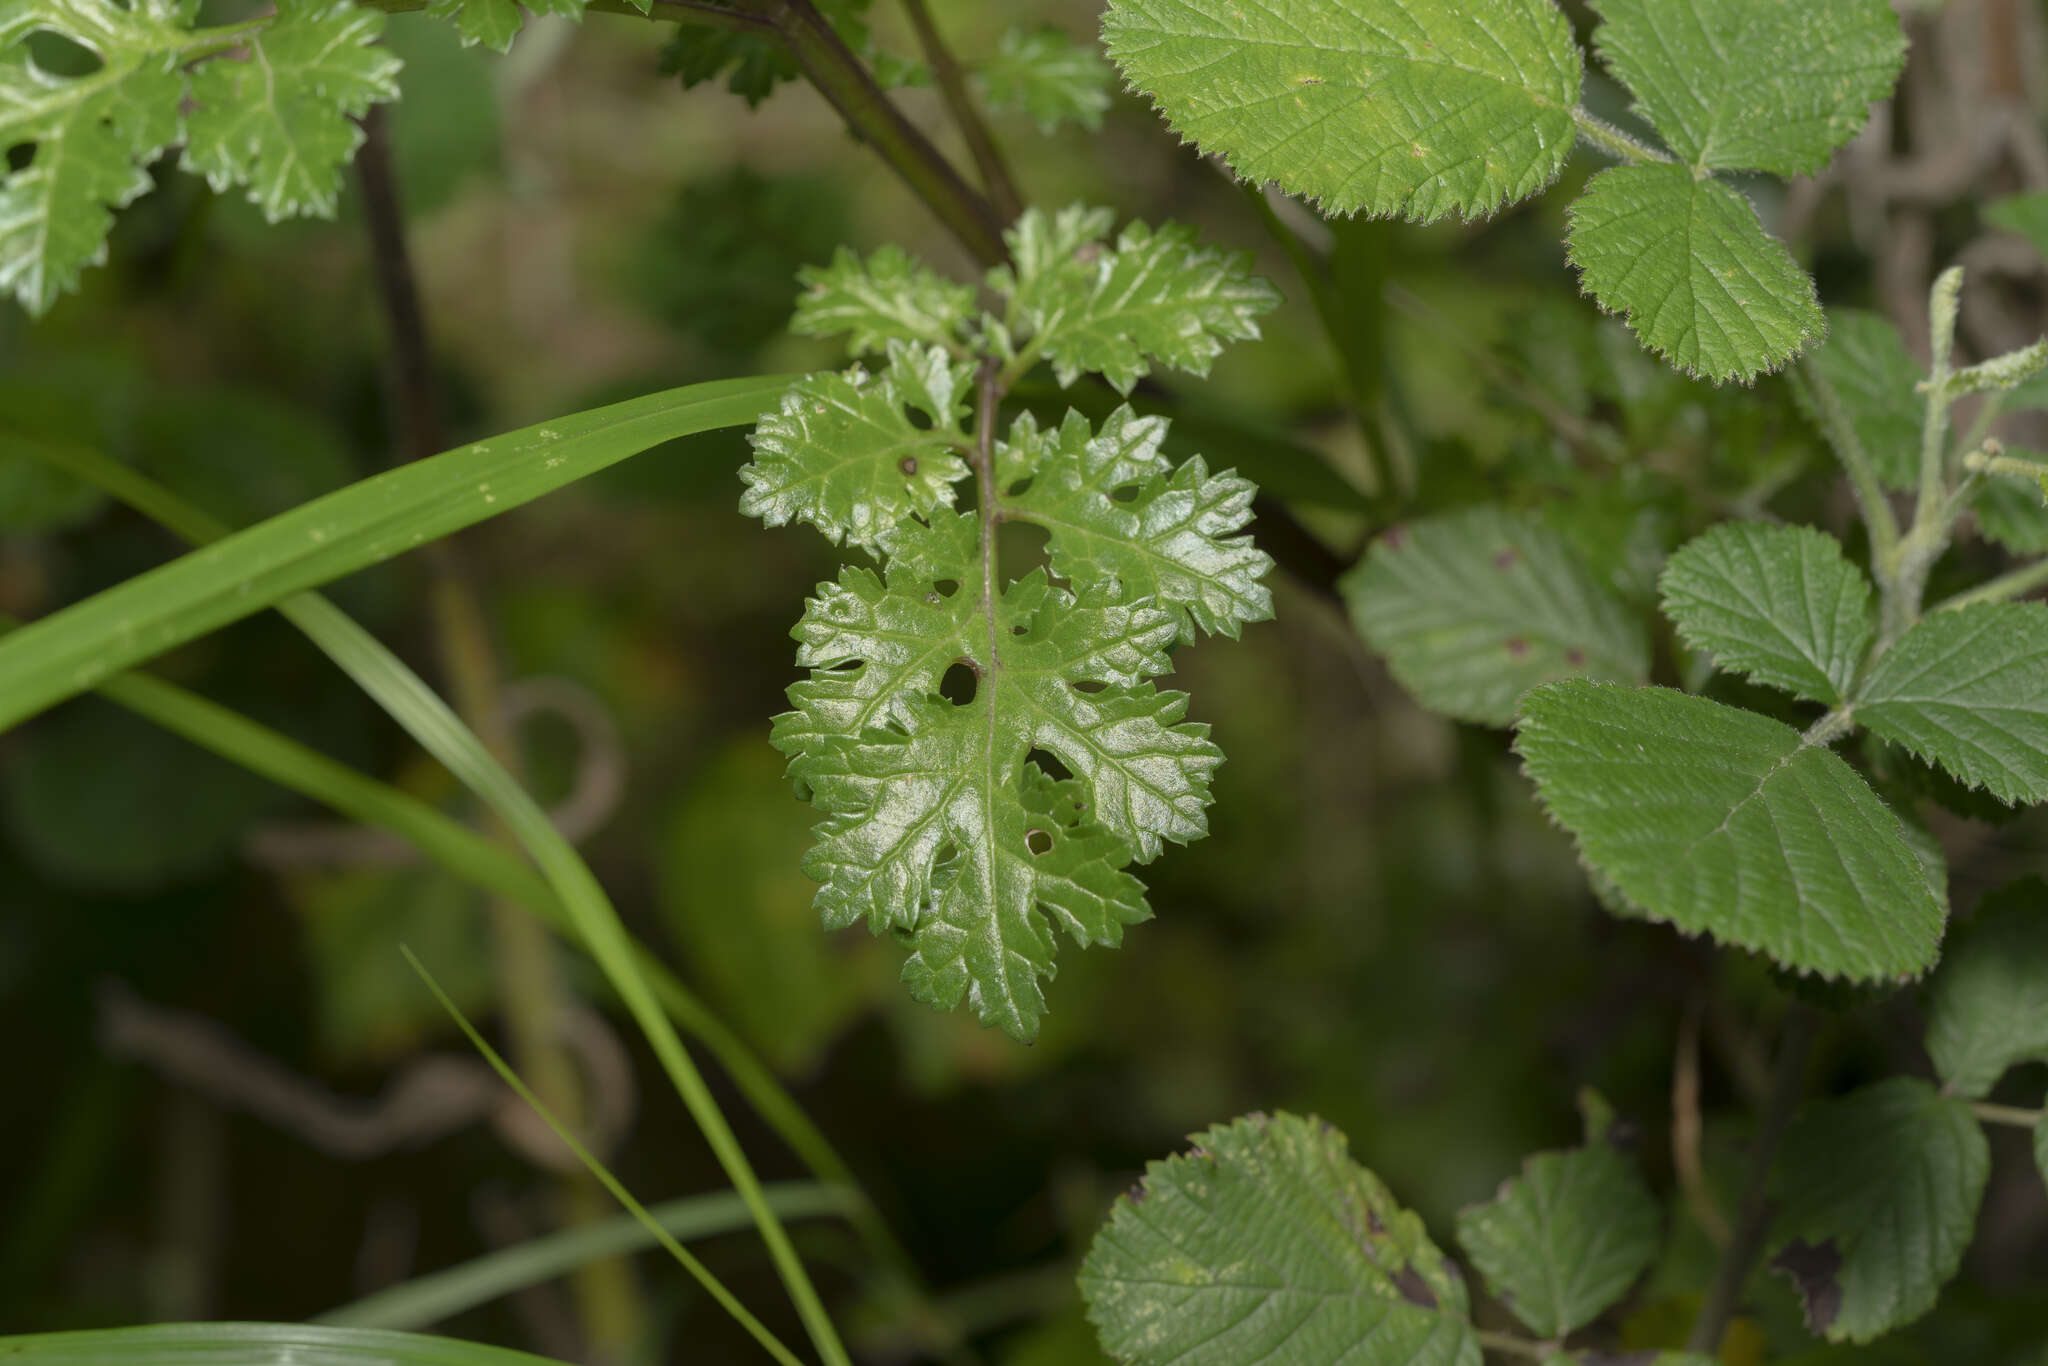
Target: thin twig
x=1685, y=1126
x=981, y=144
x=2013, y=1115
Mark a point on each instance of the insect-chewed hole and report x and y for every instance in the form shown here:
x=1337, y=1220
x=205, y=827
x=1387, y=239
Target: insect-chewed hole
x=1021, y=487
x=841, y=666
x=1038, y=841
x=919, y=419
x=1127, y=494
x=959, y=684
x=947, y=853
x=1089, y=685
x=1022, y=546
x=1049, y=764
x=947, y=587
x=1020, y=630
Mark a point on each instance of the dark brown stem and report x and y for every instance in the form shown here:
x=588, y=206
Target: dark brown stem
x=981, y=144
x=1788, y=1086
x=410, y=371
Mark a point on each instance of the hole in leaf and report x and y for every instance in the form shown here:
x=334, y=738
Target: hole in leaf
x=1049, y=764
x=60, y=55
x=1127, y=494
x=920, y=419
x=947, y=587
x=841, y=666
x=960, y=684
x=1038, y=841
x=1022, y=548
x=1020, y=630
x=1089, y=685
x=1021, y=487
x=947, y=853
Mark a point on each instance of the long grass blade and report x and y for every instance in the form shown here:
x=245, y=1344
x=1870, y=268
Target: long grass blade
x=252, y=1344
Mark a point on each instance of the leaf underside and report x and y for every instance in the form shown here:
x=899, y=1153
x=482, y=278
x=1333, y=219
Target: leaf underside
x=1987, y=1005
x=1727, y=823
x=1265, y=1241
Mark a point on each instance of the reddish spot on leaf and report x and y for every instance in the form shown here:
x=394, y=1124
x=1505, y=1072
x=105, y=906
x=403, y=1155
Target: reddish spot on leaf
x=1575, y=656
x=1396, y=536
x=1518, y=647
x=1506, y=559
x=1414, y=1289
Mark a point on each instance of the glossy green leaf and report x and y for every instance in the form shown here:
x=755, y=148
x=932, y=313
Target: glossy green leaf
x=1987, y=1005
x=1728, y=823
x=889, y=296
x=1877, y=1195
x=1690, y=266
x=364, y=524
x=1780, y=604
x=1475, y=608
x=495, y=23
x=1419, y=108
x=1564, y=1240
x=1963, y=689
x=1048, y=77
x=1866, y=362
x=1266, y=1242
x=1753, y=85
x=1152, y=297
x=251, y=1344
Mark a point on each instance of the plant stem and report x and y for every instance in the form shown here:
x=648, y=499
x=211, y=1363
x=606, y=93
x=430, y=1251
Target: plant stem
x=1788, y=1084
x=981, y=144
x=1512, y=1345
x=1596, y=132
x=2004, y=588
x=2014, y=1115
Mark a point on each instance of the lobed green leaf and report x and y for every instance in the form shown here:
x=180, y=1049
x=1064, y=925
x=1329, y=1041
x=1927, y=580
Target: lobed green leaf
x=1987, y=1005
x=1048, y=77
x=495, y=23
x=1730, y=824
x=887, y=297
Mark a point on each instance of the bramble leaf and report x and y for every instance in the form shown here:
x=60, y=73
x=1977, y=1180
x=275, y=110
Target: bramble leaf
x=283, y=121
x=1866, y=362
x=1266, y=1242
x=1419, y=108
x=1566, y=1238
x=1119, y=510
x=1475, y=608
x=1987, y=1005
x=842, y=453
x=1753, y=85
x=2015, y=515
x=1152, y=297
x=1728, y=823
x=887, y=297
x=1692, y=268
x=1963, y=689
x=1878, y=1195
x=1780, y=604
x=1046, y=75
x=495, y=23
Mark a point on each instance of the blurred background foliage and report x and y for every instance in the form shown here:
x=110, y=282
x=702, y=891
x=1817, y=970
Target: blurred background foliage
x=1382, y=929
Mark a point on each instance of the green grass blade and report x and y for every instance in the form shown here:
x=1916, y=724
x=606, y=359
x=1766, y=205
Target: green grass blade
x=350, y=529
x=252, y=1344
x=441, y=1295
x=701, y=1273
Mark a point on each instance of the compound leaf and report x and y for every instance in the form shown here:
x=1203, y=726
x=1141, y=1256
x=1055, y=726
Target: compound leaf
x=1758, y=85
x=1566, y=1238
x=1728, y=823
x=1698, y=278
x=1475, y=608
x=283, y=121
x=1778, y=603
x=495, y=23
x=1119, y=511
x=1266, y=1242
x=1155, y=296
x=887, y=297
x=1878, y=1195
x=1963, y=689
x=1987, y=1005
x=1047, y=76
x=1866, y=362
x=842, y=453
x=1419, y=108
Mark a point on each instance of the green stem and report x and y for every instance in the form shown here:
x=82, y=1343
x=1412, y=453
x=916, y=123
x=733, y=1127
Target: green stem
x=2004, y=588
x=1512, y=1345
x=981, y=144
x=1597, y=132
x=2012, y=1115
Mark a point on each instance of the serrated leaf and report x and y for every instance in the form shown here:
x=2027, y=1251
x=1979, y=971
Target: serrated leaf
x=495, y=23
x=1866, y=362
x=1119, y=511
x=1416, y=108
x=1475, y=608
x=1154, y=297
x=1564, y=1240
x=2014, y=515
x=1780, y=604
x=887, y=297
x=1048, y=77
x=1753, y=85
x=1728, y=823
x=1964, y=690
x=1690, y=266
x=1878, y=1195
x=1266, y=1242
x=842, y=453
x=1987, y=1005
x=754, y=62
x=282, y=122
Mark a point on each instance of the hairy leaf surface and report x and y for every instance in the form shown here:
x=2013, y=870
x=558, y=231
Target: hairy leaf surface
x=2012, y=514
x=1987, y=1005
x=1475, y=608
x=1154, y=297
x=1419, y=108
x=1266, y=1242
x=1566, y=1238
x=1778, y=603
x=1753, y=85
x=1694, y=272
x=1878, y=1194
x=1964, y=690
x=1048, y=77
x=1866, y=362
x=1728, y=823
